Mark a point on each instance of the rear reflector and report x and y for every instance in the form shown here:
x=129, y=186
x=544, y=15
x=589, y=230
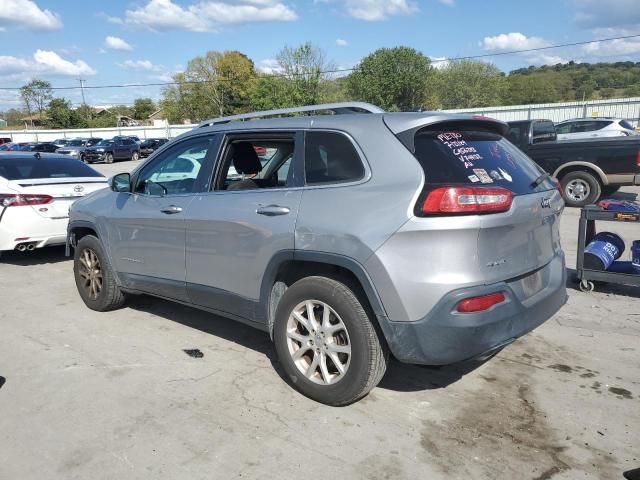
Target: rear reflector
x=16, y=200
x=467, y=200
x=480, y=304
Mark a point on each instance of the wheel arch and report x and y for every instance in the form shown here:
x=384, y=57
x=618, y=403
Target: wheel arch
x=578, y=166
x=287, y=267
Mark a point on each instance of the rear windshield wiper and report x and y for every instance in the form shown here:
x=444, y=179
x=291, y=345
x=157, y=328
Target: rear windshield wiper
x=540, y=179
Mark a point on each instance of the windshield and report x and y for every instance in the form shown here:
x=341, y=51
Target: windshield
x=75, y=143
x=29, y=168
x=475, y=157
x=104, y=143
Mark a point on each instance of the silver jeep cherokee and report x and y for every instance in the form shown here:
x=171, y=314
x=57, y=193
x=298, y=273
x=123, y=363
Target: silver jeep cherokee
x=344, y=236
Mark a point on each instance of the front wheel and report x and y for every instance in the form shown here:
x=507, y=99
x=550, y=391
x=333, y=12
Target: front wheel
x=580, y=189
x=135, y=156
x=326, y=342
x=94, y=276
x=108, y=158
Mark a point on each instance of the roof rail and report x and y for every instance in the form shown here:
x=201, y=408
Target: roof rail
x=336, y=108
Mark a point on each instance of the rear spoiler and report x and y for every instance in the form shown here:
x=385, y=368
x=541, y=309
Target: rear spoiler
x=405, y=126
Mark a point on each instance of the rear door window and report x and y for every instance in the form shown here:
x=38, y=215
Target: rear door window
x=477, y=158
x=543, y=132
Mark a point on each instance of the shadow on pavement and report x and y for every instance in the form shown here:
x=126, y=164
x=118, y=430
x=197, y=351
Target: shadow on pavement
x=602, y=287
x=40, y=256
x=402, y=377
x=399, y=377
x=210, y=323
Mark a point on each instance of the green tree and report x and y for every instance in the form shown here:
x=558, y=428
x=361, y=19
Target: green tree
x=36, y=95
x=142, y=108
x=631, y=91
x=13, y=116
x=527, y=89
x=469, y=84
x=60, y=115
x=271, y=92
x=214, y=85
x=304, y=69
x=392, y=78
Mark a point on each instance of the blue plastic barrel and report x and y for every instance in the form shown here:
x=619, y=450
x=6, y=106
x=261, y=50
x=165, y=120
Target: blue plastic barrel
x=604, y=249
x=635, y=256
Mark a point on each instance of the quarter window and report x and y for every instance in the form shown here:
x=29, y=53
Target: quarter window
x=330, y=157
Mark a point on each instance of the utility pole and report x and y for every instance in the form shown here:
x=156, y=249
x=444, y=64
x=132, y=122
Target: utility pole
x=84, y=104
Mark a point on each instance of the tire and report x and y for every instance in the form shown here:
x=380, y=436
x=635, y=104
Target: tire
x=83, y=159
x=108, y=158
x=135, y=156
x=108, y=296
x=608, y=190
x=362, y=368
x=580, y=189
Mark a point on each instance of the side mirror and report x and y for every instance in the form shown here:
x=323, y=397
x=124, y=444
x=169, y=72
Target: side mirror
x=120, y=182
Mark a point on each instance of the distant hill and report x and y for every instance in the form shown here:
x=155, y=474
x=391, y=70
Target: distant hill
x=573, y=81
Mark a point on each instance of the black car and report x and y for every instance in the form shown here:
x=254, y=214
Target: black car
x=587, y=169
x=48, y=147
x=150, y=145
x=118, y=148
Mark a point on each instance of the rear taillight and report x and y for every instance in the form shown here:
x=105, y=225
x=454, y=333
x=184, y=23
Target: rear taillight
x=480, y=304
x=17, y=200
x=558, y=185
x=470, y=200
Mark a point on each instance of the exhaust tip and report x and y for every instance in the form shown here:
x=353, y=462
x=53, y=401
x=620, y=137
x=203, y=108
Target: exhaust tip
x=31, y=247
x=21, y=247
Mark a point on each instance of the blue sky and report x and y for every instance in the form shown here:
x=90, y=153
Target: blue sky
x=111, y=42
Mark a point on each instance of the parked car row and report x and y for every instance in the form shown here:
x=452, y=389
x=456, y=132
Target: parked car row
x=106, y=150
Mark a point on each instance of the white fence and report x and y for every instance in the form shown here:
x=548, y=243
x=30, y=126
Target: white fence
x=168, y=131
x=625, y=108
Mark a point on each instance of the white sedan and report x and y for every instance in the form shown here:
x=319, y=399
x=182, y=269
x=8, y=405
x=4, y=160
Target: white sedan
x=36, y=191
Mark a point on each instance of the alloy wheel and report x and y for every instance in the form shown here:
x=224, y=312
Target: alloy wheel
x=318, y=342
x=90, y=272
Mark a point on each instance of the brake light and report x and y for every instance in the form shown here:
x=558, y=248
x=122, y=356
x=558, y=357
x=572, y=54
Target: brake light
x=467, y=200
x=18, y=200
x=480, y=304
x=558, y=185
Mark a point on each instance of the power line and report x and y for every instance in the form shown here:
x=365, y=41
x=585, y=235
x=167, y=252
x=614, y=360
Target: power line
x=340, y=70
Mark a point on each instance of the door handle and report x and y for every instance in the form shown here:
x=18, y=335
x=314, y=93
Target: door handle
x=272, y=210
x=171, y=209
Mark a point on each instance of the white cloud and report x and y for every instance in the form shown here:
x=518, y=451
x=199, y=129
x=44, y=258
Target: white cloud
x=116, y=43
x=448, y=3
x=208, y=15
x=439, y=62
x=512, y=41
x=624, y=47
x=140, y=65
x=341, y=42
x=44, y=62
x=376, y=10
x=269, y=65
x=26, y=14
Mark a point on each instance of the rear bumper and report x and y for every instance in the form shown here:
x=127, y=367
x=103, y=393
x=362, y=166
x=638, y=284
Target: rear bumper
x=445, y=336
x=20, y=222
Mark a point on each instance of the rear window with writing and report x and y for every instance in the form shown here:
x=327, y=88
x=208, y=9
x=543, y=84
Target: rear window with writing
x=475, y=157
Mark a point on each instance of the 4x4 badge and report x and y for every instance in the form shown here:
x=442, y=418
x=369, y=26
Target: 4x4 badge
x=545, y=203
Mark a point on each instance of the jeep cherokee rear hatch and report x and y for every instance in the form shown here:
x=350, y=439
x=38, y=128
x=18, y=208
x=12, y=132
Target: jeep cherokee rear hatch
x=471, y=169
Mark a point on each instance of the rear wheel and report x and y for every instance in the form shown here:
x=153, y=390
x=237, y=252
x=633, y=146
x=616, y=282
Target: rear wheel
x=326, y=342
x=108, y=158
x=94, y=276
x=580, y=188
